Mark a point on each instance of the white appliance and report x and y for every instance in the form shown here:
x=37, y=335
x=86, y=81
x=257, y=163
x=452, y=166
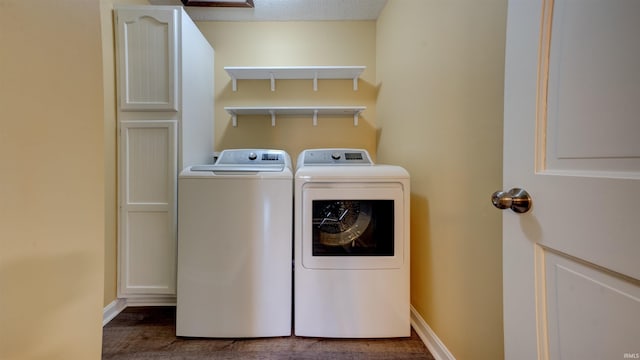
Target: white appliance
x=351, y=246
x=235, y=246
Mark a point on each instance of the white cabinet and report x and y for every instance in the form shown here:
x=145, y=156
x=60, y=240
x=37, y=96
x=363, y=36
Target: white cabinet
x=148, y=60
x=165, y=119
x=148, y=171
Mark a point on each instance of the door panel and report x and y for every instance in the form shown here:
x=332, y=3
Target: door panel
x=612, y=305
x=593, y=87
x=152, y=245
x=147, y=53
x=572, y=140
x=148, y=163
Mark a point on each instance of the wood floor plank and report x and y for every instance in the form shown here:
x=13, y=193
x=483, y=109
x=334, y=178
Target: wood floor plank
x=145, y=333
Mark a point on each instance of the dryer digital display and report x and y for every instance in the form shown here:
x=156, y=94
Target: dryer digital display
x=353, y=227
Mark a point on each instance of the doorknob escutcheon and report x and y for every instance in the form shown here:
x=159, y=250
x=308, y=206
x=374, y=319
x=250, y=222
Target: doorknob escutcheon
x=515, y=199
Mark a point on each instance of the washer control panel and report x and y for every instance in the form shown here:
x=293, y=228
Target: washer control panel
x=247, y=161
x=251, y=157
x=335, y=157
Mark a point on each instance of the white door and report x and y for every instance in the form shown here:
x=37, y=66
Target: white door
x=572, y=140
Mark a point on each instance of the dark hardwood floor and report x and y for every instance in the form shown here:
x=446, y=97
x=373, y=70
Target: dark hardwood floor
x=149, y=333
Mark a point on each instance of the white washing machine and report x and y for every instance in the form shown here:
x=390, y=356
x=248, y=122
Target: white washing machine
x=235, y=246
x=351, y=246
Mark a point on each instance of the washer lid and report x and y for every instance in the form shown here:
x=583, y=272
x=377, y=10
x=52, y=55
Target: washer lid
x=248, y=160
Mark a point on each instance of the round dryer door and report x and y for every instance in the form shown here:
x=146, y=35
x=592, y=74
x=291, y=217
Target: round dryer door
x=341, y=222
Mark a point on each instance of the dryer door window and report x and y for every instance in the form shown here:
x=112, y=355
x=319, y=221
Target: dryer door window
x=348, y=227
x=352, y=226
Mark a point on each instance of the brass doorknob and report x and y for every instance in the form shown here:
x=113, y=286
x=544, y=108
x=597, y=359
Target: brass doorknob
x=515, y=199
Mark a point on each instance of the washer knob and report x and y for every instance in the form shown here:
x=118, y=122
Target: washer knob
x=253, y=156
x=335, y=156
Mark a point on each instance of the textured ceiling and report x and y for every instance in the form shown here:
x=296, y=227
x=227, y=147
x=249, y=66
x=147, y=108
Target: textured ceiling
x=287, y=10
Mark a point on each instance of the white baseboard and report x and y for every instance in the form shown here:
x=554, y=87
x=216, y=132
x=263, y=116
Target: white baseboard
x=151, y=301
x=429, y=338
x=112, y=310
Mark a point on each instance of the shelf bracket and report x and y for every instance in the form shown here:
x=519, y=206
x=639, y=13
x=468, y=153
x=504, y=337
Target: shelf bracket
x=355, y=83
x=315, y=117
x=315, y=81
x=234, y=120
x=273, y=117
x=234, y=84
x=356, y=115
x=273, y=81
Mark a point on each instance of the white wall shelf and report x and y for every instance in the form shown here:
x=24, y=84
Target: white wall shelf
x=294, y=72
x=312, y=111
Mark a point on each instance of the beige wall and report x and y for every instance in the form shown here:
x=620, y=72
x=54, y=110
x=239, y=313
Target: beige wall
x=440, y=72
x=52, y=180
x=293, y=44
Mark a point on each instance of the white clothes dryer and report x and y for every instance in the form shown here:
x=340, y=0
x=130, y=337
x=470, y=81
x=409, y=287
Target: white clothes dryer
x=235, y=246
x=351, y=246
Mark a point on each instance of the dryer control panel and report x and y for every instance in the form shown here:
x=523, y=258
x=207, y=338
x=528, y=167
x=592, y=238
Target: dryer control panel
x=335, y=157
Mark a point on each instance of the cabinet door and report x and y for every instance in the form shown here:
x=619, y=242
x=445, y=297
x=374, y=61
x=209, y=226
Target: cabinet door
x=148, y=175
x=147, y=59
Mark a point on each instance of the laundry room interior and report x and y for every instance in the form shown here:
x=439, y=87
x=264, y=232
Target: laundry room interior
x=432, y=89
